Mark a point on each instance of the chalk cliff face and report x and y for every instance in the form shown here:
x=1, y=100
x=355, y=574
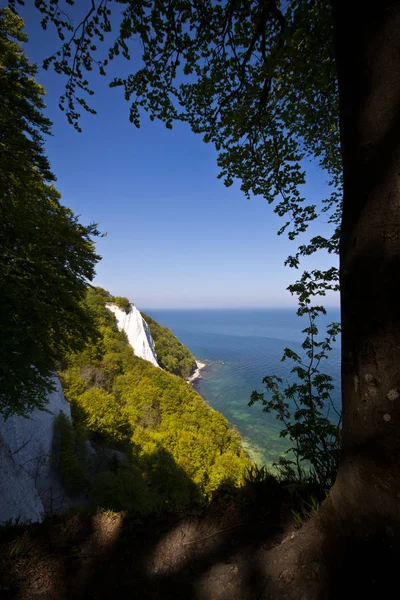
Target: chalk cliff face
x=29, y=446
x=19, y=499
x=137, y=331
x=28, y=484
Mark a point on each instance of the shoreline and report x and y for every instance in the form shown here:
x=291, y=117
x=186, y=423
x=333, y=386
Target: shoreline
x=196, y=374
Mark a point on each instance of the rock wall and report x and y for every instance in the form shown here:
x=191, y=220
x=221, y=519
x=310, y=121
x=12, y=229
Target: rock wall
x=137, y=331
x=19, y=498
x=28, y=486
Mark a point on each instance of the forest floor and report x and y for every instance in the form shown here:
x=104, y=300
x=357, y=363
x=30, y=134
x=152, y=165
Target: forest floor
x=218, y=555
x=225, y=553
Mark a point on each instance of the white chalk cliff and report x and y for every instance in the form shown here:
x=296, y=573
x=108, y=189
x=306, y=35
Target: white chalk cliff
x=28, y=485
x=29, y=446
x=137, y=331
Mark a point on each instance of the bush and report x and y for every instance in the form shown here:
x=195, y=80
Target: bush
x=72, y=467
x=124, y=489
x=123, y=304
x=103, y=414
x=262, y=493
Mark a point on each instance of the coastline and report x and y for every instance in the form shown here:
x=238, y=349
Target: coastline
x=196, y=374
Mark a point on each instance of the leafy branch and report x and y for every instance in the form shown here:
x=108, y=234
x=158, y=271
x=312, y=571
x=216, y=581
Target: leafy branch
x=305, y=407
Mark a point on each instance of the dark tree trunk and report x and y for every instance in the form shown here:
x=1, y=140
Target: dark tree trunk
x=356, y=533
x=368, y=67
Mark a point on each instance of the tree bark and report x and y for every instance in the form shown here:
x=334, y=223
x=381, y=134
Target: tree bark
x=357, y=531
x=368, y=68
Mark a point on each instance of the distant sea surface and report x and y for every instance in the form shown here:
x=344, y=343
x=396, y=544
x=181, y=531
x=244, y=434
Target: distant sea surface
x=241, y=347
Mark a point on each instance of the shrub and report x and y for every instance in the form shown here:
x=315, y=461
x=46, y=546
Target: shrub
x=123, y=304
x=103, y=414
x=72, y=467
x=123, y=489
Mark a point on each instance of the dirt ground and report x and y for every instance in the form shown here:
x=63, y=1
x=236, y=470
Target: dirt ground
x=215, y=556
x=222, y=554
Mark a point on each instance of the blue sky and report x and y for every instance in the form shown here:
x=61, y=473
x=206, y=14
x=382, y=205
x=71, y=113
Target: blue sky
x=176, y=236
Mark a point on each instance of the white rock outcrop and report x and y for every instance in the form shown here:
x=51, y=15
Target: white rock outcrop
x=28, y=485
x=137, y=331
x=19, y=499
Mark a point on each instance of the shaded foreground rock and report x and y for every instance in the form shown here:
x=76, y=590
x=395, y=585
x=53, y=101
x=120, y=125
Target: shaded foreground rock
x=28, y=485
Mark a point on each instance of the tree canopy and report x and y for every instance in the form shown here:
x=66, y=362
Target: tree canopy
x=46, y=255
x=166, y=429
x=256, y=79
x=172, y=355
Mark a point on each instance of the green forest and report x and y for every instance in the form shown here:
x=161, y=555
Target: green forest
x=172, y=355
x=176, y=449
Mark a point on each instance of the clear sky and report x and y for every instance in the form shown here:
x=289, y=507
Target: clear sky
x=176, y=236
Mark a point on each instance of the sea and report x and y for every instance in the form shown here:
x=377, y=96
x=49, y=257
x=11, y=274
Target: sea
x=240, y=347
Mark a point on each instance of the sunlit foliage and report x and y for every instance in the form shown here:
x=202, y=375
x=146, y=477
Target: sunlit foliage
x=178, y=448
x=172, y=355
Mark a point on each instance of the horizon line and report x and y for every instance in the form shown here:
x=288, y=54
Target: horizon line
x=294, y=307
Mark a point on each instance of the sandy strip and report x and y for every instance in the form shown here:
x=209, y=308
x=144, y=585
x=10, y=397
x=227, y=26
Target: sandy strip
x=196, y=374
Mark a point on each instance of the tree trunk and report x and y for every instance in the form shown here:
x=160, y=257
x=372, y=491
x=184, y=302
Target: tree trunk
x=368, y=66
x=357, y=531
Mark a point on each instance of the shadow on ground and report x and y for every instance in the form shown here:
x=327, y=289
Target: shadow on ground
x=215, y=556
x=220, y=555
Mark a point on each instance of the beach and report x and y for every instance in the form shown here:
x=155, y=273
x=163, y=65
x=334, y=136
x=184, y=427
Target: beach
x=196, y=374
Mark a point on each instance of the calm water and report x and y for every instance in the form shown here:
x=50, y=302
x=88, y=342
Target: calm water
x=240, y=347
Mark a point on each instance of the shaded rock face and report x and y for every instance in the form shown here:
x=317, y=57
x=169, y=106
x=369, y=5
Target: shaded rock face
x=19, y=499
x=137, y=331
x=28, y=486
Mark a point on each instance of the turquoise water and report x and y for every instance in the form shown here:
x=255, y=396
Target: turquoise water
x=240, y=347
